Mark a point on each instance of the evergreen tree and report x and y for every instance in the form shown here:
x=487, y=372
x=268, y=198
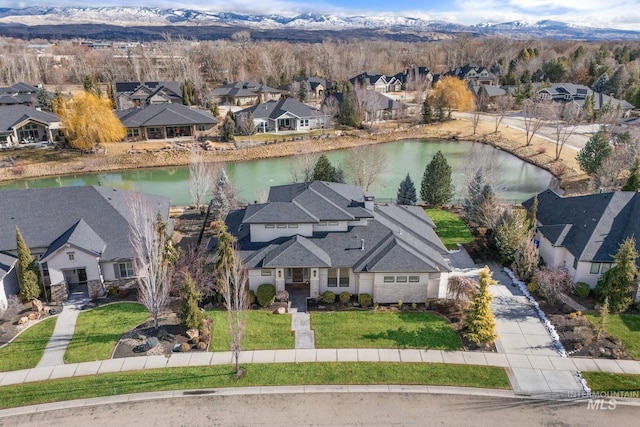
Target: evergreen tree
x=437, y=187
x=215, y=111
x=323, y=170
x=191, y=314
x=525, y=260
x=188, y=92
x=441, y=113
x=595, y=151
x=224, y=196
x=339, y=175
x=228, y=129
x=481, y=207
x=303, y=93
x=91, y=85
x=348, y=115
x=617, y=283
x=533, y=213
x=633, y=182
x=44, y=100
x=427, y=113
x=590, y=109
x=27, y=277
x=509, y=234
x=479, y=320
x=407, y=192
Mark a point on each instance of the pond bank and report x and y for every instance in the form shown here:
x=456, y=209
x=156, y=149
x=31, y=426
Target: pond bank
x=122, y=156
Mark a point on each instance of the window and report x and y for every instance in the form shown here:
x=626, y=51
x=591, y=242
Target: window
x=332, y=278
x=595, y=268
x=333, y=223
x=575, y=263
x=45, y=269
x=133, y=133
x=126, y=269
x=344, y=277
x=72, y=256
x=292, y=225
x=269, y=226
x=281, y=225
x=401, y=279
x=389, y=279
x=265, y=272
x=414, y=279
x=605, y=267
x=304, y=122
x=202, y=128
x=322, y=224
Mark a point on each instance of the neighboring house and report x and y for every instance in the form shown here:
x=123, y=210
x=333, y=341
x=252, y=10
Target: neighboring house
x=245, y=93
x=8, y=278
x=577, y=95
x=140, y=94
x=474, y=74
x=371, y=81
x=412, y=78
x=21, y=123
x=78, y=235
x=284, y=115
x=582, y=233
x=378, y=107
x=323, y=236
x=165, y=121
x=486, y=95
x=317, y=88
x=19, y=93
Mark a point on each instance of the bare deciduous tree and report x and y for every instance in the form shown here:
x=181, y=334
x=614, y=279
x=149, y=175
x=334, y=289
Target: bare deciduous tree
x=200, y=178
x=149, y=240
x=534, y=115
x=303, y=164
x=461, y=287
x=365, y=165
x=566, y=120
x=501, y=106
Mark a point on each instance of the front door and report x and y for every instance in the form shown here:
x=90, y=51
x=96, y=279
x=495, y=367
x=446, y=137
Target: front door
x=298, y=275
x=82, y=275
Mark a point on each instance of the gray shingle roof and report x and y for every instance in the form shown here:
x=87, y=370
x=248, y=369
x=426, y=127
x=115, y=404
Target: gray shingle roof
x=45, y=214
x=11, y=115
x=243, y=89
x=277, y=213
x=81, y=236
x=164, y=115
x=7, y=262
x=599, y=222
x=395, y=239
x=274, y=109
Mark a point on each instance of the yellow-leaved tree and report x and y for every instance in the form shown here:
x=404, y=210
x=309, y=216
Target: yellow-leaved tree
x=453, y=94
x=88, y=120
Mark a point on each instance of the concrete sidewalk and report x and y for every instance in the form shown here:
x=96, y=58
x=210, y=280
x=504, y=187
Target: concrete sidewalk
x=62, y=334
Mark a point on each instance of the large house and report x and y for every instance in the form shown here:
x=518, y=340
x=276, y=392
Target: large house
x=323, y=236
x=21, y=123
x=577, y=95
x=316, y=88
x=19, y=94
x=165, y=121
x=583, y=233
x=284, y=115
x=245, y=93
x=78, y=235
x=139, y=94
x=475, y=74
x=372, y=81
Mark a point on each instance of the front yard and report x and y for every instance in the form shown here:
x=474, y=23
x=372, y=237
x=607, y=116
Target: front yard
x=374, y=329
x=625, y=327
x=264, y=331
x=27, y=349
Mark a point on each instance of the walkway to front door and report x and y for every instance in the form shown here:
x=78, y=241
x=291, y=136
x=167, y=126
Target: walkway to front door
x=298, y=294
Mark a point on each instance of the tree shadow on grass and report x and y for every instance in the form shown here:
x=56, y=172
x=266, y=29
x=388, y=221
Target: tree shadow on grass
x=440, y=338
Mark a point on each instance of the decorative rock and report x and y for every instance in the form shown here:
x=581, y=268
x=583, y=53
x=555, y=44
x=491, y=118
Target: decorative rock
x=152, y=342
x=23, y=320
x=280, y=310
x=34, y=316
x=192, y=333
x=202, y=345
x=165, y=336
x=46, y=310
x=36, y=305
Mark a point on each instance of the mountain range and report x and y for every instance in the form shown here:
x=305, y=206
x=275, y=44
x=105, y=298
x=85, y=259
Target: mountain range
x=32, y=22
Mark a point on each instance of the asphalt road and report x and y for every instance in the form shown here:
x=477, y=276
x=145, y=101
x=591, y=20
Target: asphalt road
x=336, y=409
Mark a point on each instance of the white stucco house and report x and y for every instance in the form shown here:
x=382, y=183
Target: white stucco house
x=78, y=235
x=323, y=236
x=583, y=233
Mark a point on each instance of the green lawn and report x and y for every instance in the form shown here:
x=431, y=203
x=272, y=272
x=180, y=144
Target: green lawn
x=264, y=331
x=450, y=228
x=257, y=375
x=604, y=381
x=98, y=330
x=27, y=349
x=375, y=329
x=625, y=327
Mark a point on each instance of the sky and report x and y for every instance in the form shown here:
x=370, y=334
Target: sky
x=621, y=14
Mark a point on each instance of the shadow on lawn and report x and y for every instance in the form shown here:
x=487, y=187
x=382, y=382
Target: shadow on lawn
x=427, y=337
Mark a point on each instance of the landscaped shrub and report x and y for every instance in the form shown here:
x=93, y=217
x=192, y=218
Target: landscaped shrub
x=582, y=290
x=184, y=347
x=252, y=297
x=266, y=294
x=328, y=297
x=365, y=300
x=345, y=297
x=533, y=287
x=112, y=291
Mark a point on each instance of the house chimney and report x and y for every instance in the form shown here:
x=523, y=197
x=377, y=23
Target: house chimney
x=362, y=244
x=368, y=201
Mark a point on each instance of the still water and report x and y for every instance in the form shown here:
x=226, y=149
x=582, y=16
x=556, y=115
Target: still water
x=513, y=179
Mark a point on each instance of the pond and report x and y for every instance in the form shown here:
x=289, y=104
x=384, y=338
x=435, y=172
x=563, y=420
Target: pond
x=513, y=179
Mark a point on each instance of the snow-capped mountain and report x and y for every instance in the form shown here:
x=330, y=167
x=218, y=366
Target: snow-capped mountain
x=151, y=16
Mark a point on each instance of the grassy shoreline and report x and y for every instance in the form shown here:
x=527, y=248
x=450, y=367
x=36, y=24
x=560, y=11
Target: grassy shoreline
x=152, y=154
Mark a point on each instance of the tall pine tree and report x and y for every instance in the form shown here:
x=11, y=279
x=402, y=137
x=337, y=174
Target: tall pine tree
x=27, y=277
x=633, y=183
x=595, y=151
x=191, y=314
x=437, y=187
x=617, y=283
x=407, y=192
x=323, y=170
x=348, y=115
x=479, y=320
x=427, y=113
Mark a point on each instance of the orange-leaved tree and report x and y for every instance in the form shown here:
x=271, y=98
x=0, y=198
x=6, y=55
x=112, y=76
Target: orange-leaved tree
x=88, y=120
x=453, y=94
